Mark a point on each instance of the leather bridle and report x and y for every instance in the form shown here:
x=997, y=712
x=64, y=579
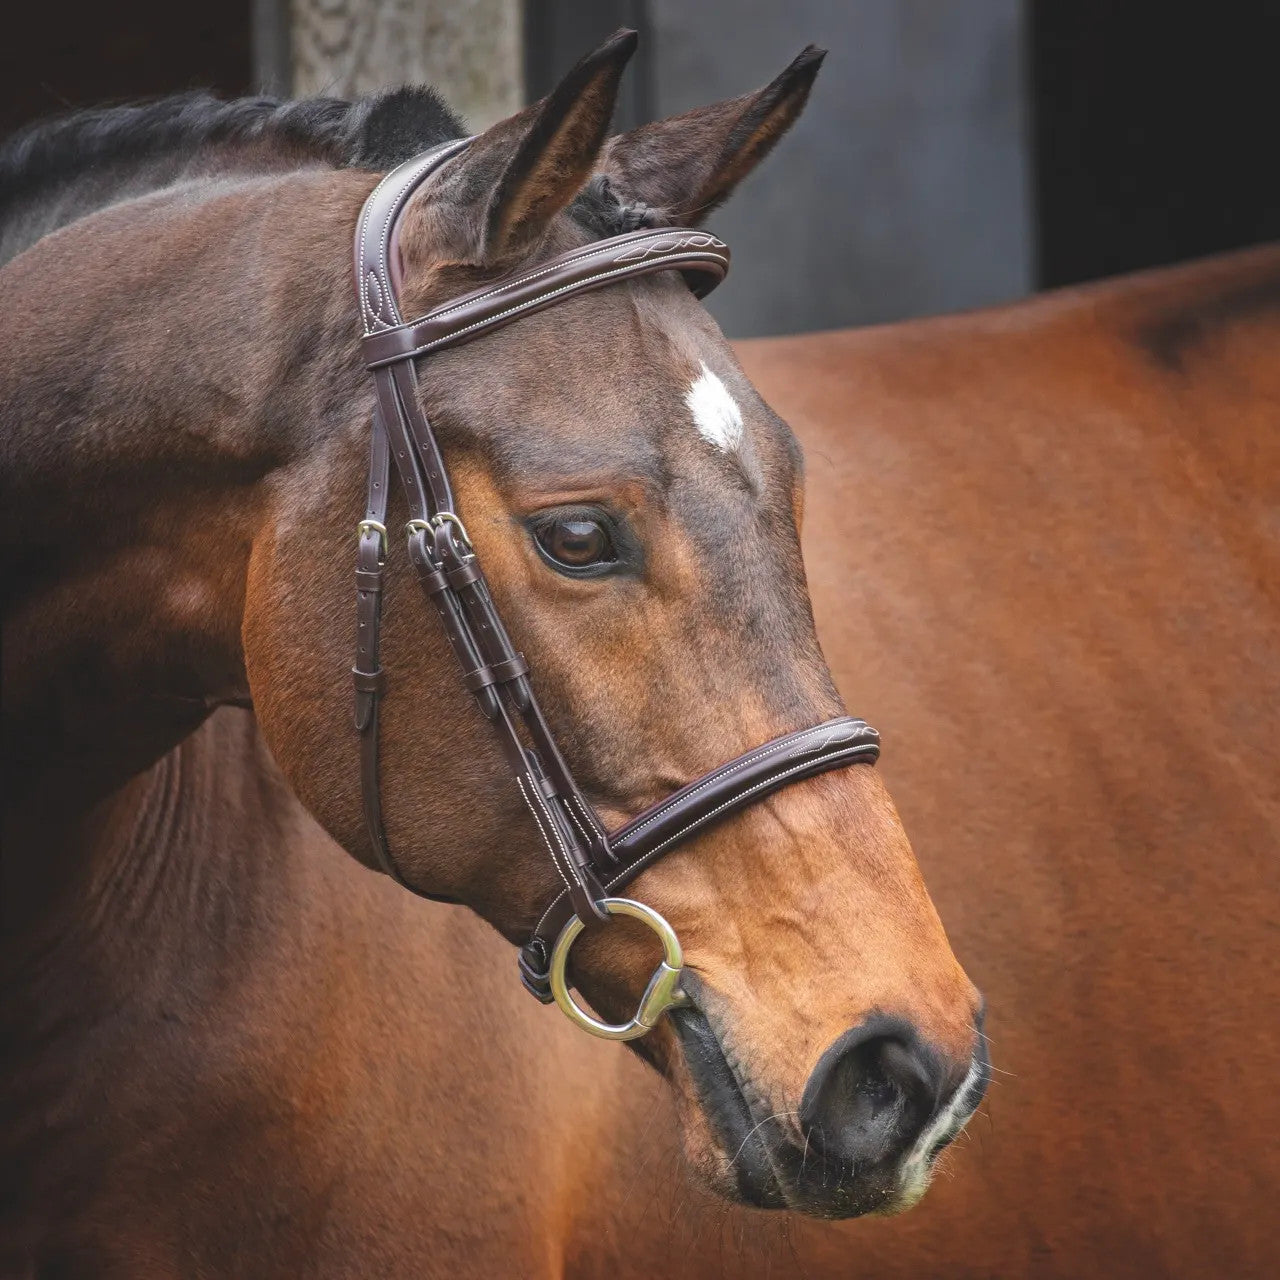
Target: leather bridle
x=592, y=864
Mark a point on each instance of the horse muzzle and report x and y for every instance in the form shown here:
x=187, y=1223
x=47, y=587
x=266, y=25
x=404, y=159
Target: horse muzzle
x=878, y=1108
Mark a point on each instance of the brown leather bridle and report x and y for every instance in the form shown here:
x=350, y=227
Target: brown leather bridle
x=591, y=862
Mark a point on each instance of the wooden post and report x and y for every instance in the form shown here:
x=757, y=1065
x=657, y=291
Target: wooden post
x=472, y=51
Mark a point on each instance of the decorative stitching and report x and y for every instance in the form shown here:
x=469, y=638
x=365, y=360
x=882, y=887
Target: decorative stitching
x=631, y=269
x=573, y=817
x=587, y=814
x=370, y=284
x=850, y=730
x=437, y=155
x=364, y=219
x=381, y=267
x=723, y=772
x=711, y=813
x=546, y=839
x=415, y=175
x=655, y=250
x=587, y=251
x=639, y=865
x=697, y=239
x=564, y=288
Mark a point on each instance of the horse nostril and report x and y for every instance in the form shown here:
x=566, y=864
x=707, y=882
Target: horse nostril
x=872, y=1093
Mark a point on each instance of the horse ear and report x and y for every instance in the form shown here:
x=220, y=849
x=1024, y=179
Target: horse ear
x=689, y=164
x=514, y=178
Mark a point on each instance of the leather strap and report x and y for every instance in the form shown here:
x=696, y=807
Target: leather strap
x=700, y=256
x=702, y=803
x=589, y=862
x=375, y=244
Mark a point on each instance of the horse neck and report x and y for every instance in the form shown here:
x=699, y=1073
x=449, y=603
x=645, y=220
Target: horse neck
x=159, y=883
x=192, y=346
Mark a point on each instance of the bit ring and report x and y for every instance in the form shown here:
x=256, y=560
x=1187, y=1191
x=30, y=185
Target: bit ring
x=662, y=993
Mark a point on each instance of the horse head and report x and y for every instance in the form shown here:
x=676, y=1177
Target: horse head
x=637, y=509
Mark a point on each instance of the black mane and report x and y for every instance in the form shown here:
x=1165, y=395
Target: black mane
x=376, y=132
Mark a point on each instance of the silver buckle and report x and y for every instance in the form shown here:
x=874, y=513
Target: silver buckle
x=375, y=526
x=662, y=993
x=443, y=517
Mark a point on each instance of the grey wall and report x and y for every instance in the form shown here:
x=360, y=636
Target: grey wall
x=471, y=50
x=903, y=190
x=558, y=32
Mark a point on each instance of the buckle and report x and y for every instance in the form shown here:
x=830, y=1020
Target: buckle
x=662, y=993
x=375, y=526
x=437, y=521
x=447, y=517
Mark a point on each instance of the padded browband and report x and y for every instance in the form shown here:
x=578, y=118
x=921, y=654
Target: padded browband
x=702, y=257
x=590, y=862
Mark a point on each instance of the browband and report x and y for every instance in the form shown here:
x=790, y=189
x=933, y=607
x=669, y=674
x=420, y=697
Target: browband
x=591, y=862
x=702, y=257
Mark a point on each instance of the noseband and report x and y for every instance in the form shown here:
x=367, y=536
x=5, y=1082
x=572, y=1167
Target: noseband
x=592, y=864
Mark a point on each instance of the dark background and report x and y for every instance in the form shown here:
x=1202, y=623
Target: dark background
x=1151, y=129
x=1156, y=132
x=69, y=53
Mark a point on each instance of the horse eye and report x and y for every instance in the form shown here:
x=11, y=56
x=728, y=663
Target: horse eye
x=575, y=543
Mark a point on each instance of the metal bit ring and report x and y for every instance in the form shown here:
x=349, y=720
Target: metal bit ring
x=662, y=993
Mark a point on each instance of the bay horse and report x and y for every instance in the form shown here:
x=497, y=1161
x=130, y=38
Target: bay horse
x=228, y=1047
x=1065, y=541
x=1048, y=530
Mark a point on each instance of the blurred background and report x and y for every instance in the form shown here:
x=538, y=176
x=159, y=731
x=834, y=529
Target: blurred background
x=954, y=153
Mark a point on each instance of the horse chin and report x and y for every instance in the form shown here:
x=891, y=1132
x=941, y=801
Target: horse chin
x=745, y=1153
x=721, y=1132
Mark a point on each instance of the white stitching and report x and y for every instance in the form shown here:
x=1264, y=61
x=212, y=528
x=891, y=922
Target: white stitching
x=694, y=240
x=573, y=817
x=723, y=772
x=588, y=816
x=542, y=832
x=364, y=219
x=382, y=274
x=381, y=269
x=413, y=177
x=510, y=284
x=711, y=813
x=371, y=283
x=587, y=251
x=635, y=268
x=433, y=157
x=632, y=268
x=546, y=838
x=679, y=835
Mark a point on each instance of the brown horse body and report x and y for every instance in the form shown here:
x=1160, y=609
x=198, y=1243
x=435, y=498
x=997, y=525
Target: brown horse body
x=199, y=1077
x=1034, y=541
x=1042, y=546
x=1040, y=559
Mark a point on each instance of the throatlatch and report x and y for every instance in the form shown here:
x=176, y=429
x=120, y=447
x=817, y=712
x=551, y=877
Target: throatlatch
x=591, y=863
